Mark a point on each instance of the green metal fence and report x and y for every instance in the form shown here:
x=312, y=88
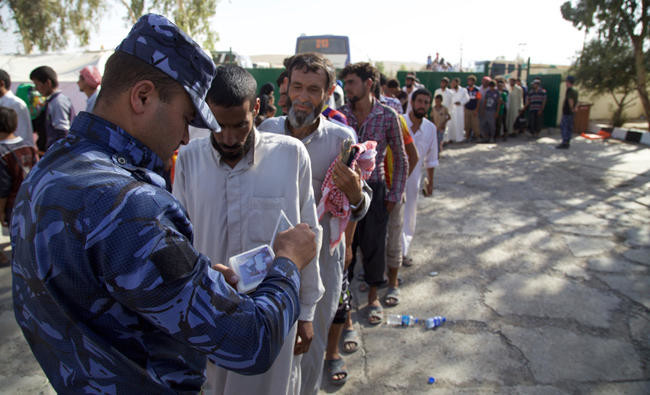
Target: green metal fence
x=262, y=76
x=550, y=82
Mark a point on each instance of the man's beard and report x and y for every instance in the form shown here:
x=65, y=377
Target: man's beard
x=409, y=85
x=354, y=99
x=419, y=113
x=235, y=151
x=299, y=119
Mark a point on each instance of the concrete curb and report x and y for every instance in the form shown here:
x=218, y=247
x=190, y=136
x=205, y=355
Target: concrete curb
x=631, y=135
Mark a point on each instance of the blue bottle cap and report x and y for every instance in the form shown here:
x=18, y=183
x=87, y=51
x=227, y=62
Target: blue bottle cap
x=431, y=380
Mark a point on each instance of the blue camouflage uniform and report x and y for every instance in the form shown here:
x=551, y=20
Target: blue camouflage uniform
x=107, y=287
x=108, y=290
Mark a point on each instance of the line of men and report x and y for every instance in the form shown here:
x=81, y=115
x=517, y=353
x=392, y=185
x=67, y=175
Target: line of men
x=370, y=113
x=493, y=110
x=486, y=112
x=119, y=286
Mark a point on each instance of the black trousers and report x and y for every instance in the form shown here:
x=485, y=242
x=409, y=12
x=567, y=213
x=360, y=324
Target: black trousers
x=370, y=237
x=534, y=122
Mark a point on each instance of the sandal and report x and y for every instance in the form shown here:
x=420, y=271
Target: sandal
x=375, y=315
x=336, y=367
x=392, y=297
x=350, y=339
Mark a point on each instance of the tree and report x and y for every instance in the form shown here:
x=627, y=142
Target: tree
x=47, y=24
x=604, y=68
x=190, y=15
x=618, y=22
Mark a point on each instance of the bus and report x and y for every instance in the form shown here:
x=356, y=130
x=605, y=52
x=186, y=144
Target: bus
x=335, y=48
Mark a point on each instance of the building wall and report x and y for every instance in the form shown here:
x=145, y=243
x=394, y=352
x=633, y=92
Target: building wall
x=603, y=106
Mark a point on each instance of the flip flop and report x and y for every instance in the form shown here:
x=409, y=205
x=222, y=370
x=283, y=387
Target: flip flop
x=392, y=297
x=350, y=336
x=336, y=367
x=375, y=315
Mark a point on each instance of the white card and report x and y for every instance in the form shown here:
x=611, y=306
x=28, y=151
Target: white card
x=281, y=225
x=251, y=266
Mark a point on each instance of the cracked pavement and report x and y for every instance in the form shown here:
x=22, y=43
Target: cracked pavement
x=543, y=258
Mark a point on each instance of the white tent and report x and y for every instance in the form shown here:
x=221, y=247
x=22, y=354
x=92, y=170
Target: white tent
x=66, y=65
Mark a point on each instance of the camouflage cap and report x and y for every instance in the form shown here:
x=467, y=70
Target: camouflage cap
x=163, y=45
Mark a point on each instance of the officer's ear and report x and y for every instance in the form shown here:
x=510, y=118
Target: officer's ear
x=142, y=95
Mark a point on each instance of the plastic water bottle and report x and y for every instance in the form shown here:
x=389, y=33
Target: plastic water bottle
x=401, y=320
x=434, y=322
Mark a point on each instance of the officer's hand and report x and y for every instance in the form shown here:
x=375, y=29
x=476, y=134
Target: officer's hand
x=228, y=273
x=297, y=244
x=304, y=335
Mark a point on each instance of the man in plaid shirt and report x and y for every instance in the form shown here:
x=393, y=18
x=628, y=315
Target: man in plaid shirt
x=374, y=121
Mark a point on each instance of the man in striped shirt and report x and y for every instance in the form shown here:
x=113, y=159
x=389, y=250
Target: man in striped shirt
x=535, y=104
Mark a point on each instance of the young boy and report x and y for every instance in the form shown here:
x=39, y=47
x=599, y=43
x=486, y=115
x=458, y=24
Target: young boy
x=502, y=129
x=16, y=159
x=440, y=116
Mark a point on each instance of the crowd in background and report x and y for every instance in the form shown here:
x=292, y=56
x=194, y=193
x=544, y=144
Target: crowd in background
x=438, y=64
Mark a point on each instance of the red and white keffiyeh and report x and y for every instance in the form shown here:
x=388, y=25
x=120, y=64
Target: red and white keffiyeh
x=334, y=201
